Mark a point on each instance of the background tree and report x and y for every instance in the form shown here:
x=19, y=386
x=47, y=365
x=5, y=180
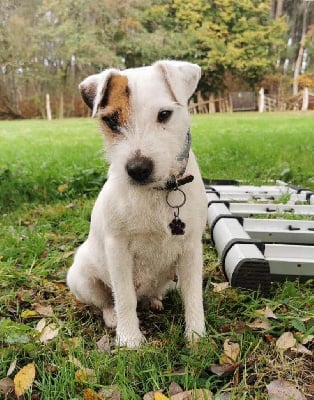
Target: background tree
x=48, y=46
x=16, y=54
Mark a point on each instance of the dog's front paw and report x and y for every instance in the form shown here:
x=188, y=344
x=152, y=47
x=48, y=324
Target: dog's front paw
x=131, y=341
x=193, y=335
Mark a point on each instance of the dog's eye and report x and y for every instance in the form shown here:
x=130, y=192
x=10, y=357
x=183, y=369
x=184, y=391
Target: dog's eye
x=164, y=116
x=112, y=121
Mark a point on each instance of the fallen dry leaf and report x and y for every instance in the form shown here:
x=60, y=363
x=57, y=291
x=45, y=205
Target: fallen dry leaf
x=40, y=325
x=52, y=368
x=60, y=285
x=29, y=314
x=308, y=339
x=299, y=348
x=103, y=344
x=270, y=338
x=269, y=313
x=283, y=390
x=89, y=394
x=111, y=392
x=231, y=352
x=222, y=370
x=12, y=367
x=85, y=375
x=67, y=254
x=71, y=343
x=224, y=396
x=286, y=341
x=24, y=379
x=48, y=333
x=174, y=388
x=220, y=287
x=44, y=311
x=160, y=396
x=259, y=324
x=6, y=386
x=77, y=363
x=63, y=188
x=198, y=394
x=150, y=395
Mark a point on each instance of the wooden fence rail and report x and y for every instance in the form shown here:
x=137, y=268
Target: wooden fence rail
x=248, y=101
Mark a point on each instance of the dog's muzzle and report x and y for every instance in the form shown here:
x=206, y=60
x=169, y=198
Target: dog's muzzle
x=140, y=168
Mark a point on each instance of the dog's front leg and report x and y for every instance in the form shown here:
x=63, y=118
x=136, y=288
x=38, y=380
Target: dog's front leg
x=120, y=265
x=190, y=271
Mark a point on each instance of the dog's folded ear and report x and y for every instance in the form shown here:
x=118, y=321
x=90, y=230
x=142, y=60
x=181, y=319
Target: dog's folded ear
x=182, y=78
x=93, y=88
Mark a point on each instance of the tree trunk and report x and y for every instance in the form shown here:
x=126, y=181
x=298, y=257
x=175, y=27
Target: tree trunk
x=61, y=106
x=10, y=93
x=272, y=8
x=279, y=8
x=301, y=52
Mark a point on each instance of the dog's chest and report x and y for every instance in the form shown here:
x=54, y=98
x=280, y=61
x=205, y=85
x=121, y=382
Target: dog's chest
x=141, y=215
x=155, y=260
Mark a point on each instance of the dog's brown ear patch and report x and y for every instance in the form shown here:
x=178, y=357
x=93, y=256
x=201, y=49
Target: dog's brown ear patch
x=116, y=97
x=115, y=104
x=88, y=93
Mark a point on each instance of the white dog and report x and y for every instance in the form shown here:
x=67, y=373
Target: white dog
x=147, y=223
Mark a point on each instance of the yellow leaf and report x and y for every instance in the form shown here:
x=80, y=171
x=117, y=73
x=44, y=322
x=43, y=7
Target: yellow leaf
x=29, y=314
x=63, y=188
x=85, y=375
x=160, y=396
x=89, y=394
x=24, y=379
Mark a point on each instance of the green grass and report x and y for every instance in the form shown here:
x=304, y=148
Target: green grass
x=42, y=222
x=256, y=147
x=38, y=156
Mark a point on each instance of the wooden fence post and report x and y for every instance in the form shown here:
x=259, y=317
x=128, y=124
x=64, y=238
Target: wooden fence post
x=48, y=108
x=261, y=100
x=305, y=99
x=211, y=104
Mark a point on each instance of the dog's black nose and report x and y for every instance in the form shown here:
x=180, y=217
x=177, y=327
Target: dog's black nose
x=140, y=168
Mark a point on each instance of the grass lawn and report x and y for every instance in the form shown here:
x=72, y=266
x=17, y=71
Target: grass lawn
x=50, y=174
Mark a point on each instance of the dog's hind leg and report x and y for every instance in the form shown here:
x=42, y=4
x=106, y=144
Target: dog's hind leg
x=90, y=290
x=156, y=300
x=156, y=303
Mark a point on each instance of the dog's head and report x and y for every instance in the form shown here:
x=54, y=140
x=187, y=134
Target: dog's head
x=144, y=116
